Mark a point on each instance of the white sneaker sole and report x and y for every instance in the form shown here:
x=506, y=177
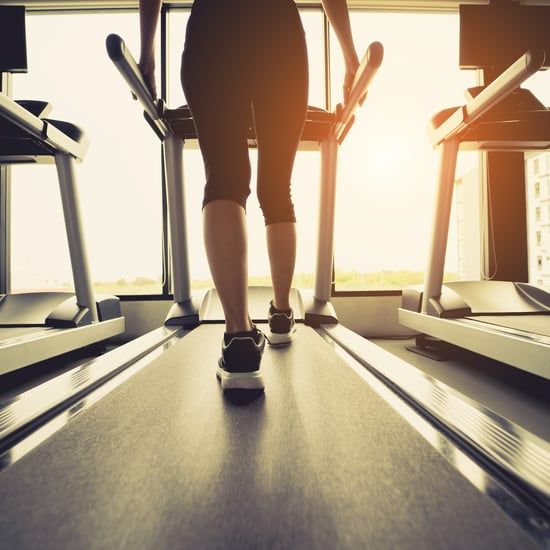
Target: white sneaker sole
x=277, y=339
x=240, y=380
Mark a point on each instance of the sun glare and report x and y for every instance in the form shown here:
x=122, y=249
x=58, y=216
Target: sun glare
x=389, y=155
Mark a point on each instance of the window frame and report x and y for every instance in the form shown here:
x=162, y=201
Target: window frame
x=416, y=7
x=51, y=8
x=43, y=8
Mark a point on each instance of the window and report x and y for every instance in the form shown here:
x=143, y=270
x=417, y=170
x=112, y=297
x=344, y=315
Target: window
x=387, y=166
x=539, y=263
x=305, y=187
x=537, y=213
x=538, y=190
x=119, y=180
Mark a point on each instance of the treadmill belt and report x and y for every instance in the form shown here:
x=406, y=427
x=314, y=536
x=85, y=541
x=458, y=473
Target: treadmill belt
x=536, y=324
x=319, y=461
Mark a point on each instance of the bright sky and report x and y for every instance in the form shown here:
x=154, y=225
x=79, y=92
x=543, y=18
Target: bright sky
x=386, y=171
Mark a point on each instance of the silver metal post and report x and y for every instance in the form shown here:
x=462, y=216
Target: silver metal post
x=173, y=155
x=5, y=208
x=327, y=202
x=85, y=296
x=433, y=278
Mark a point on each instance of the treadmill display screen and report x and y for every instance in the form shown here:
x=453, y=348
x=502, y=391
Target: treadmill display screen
x=498, y=34
x=13, y=43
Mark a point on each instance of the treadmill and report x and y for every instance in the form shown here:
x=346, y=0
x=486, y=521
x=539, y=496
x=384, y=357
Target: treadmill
x=36, y=326
x=503, y=320
x=323, y=130
x=140, y=448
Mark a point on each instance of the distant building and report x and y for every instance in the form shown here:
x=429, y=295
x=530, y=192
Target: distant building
x=537, y=180
x=468, y=211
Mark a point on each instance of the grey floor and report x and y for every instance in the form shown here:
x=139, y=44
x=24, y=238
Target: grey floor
x=319, y=461
x=518, y=396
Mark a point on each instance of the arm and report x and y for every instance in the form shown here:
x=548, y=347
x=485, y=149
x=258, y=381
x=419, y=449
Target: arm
x=148, y=19
x=338, y=16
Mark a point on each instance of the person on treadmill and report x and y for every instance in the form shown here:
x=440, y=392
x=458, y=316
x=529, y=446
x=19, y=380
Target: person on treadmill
x=244, y=61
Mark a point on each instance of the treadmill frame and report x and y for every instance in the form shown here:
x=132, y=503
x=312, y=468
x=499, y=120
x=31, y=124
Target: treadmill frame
x=90, y=319
x=521, y=351
x=186, y=309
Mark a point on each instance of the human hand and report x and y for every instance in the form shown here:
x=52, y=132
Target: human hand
x=351, y=70
x=147, y=68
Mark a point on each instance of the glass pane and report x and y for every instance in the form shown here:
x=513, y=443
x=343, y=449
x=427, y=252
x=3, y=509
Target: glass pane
x=119, y=179
x=305, y=177
x=387, y=166
x=537, y=181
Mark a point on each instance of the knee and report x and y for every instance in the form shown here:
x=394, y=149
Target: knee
x=227, y=183
x=216, y=192
x=276, y=205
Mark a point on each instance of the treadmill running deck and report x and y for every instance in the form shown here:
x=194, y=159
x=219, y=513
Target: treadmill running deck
x=319, y=461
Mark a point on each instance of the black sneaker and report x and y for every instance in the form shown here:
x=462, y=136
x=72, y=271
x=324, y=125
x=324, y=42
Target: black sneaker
x=282, y=326
x=239, y=365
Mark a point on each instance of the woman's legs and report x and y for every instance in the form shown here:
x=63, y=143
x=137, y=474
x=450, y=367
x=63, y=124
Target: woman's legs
x=225, y=239
x=279, y=104
x=281, y=246
x=220, y=101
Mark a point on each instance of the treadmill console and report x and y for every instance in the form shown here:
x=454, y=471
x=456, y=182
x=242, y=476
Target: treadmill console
x=495, y=35
x=13, y=43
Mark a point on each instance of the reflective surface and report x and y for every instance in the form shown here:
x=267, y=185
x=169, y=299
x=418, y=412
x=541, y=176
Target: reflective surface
x=464, y=422
x=17, y=412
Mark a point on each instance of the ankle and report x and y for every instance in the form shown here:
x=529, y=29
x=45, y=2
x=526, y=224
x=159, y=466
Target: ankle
x=280, y=305
x=232, y=327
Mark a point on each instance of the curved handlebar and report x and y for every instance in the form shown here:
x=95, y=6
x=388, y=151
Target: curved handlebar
x=130, y=71
x=528, y=64
x=463, y=117
x=18, y=115
x=365, y=73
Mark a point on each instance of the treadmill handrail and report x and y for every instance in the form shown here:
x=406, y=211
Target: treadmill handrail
x=519, y=71
x=371, y=62
x=508, y=81
x=19, y=116
x=129, y=69
x=41, y=129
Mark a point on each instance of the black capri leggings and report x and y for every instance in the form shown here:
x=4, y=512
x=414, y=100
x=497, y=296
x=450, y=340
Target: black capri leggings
x=245, y=61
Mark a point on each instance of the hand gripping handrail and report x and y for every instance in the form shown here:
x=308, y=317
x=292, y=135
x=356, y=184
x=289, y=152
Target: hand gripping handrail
x=365, y=73
x=130, y=71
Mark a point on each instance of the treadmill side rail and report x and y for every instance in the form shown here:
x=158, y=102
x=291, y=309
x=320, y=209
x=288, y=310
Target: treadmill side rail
x=525, y=353
x=536, y=294
x=17, y=353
